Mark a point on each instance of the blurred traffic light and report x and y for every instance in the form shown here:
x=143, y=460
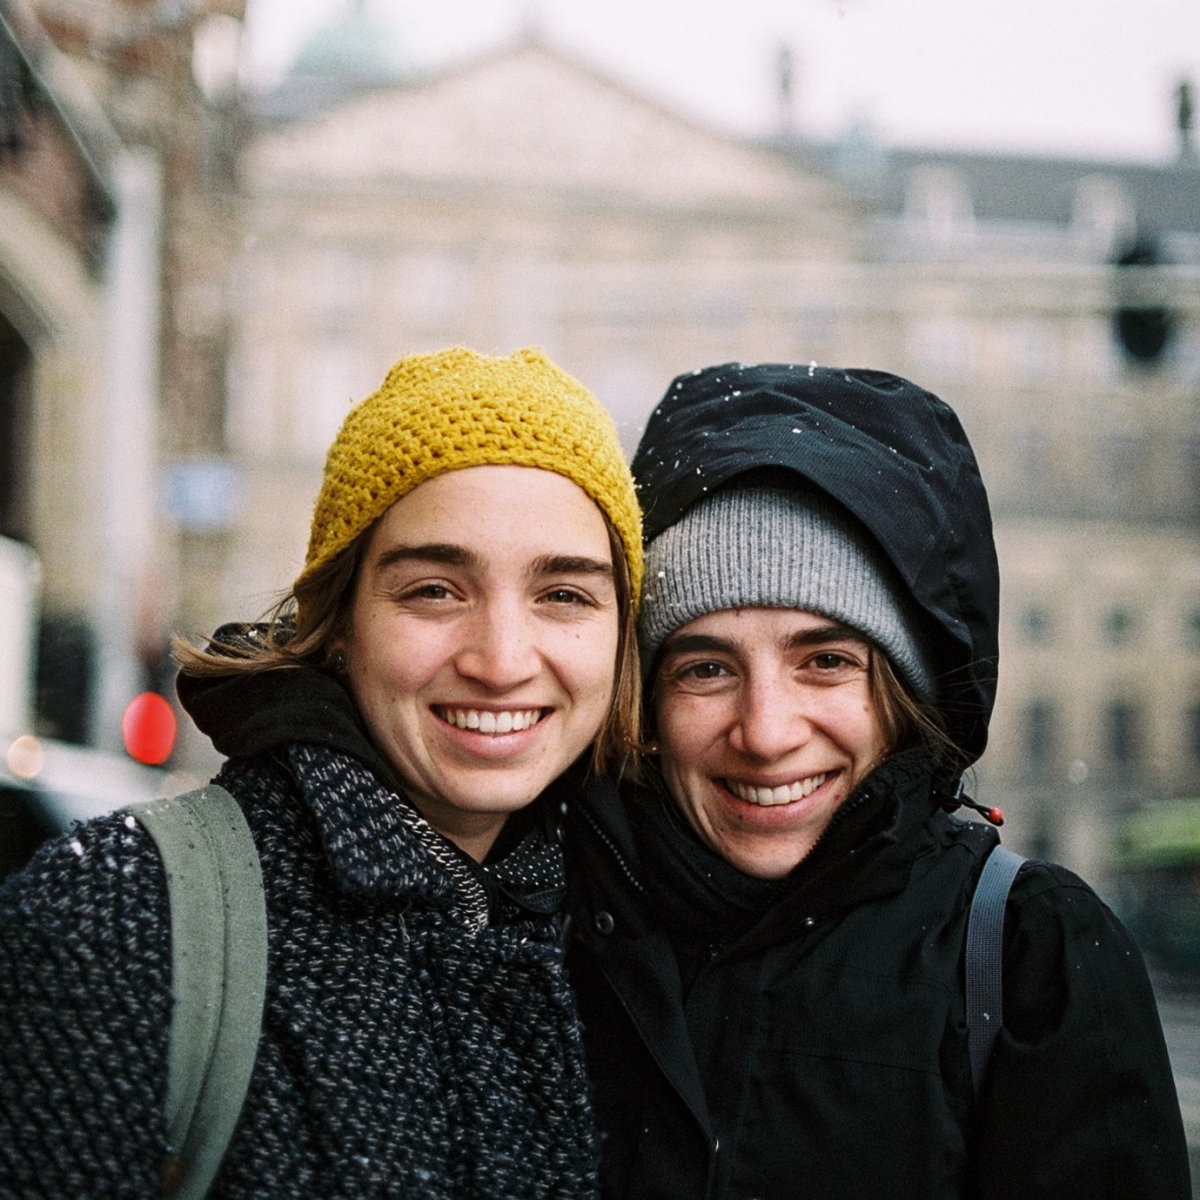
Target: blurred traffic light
x=148, y=728
x=1143, y=327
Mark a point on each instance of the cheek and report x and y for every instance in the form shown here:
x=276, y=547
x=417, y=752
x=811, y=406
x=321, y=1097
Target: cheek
x=679, y=726
x=588, y=660
x=396, y=656
x=865, y=734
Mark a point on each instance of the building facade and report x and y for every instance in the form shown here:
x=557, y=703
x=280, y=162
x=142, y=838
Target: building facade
x=1057, y=306
x=523, y=198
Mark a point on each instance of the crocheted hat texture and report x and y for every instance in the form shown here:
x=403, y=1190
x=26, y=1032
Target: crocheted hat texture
x=457, y=408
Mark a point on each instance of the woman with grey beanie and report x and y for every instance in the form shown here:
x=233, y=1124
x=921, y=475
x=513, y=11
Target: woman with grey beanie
x=780, y=935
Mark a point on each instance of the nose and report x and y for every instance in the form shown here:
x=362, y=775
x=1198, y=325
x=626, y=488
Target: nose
x=770, y=721
x=499, y=648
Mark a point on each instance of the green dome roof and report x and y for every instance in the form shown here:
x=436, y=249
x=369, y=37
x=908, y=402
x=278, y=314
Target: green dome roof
x=352, y=47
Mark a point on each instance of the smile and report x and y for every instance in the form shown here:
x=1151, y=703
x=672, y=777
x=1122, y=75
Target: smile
x=486, y=721
x=785, y=793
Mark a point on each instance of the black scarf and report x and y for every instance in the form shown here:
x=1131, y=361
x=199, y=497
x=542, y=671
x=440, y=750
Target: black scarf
x=704, y=902
x=250, y=714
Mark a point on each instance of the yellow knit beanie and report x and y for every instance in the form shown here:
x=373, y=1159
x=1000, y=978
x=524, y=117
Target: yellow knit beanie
x=454, y=409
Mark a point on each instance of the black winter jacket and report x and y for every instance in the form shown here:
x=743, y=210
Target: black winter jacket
x=807, y=1038
x=419, y=1038
x=820, y=1050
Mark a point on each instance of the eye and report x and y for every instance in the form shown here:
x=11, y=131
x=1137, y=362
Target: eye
x=830, y=661
x=424, y=595
x=833, y=665
x=427, y=591
x=696, y=674
x=566, y=595
x=704, y=670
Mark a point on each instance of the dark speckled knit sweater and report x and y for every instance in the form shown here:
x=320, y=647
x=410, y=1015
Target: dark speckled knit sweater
x=419, y=1038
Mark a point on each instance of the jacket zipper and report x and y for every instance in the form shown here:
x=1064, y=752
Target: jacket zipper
x=626, y=870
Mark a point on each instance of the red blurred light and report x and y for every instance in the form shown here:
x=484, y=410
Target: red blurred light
x=148, y=728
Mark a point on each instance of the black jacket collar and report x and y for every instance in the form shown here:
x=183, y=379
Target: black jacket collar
x=867, y=852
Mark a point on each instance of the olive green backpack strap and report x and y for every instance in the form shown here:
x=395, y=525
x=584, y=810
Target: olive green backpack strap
x=218, y=975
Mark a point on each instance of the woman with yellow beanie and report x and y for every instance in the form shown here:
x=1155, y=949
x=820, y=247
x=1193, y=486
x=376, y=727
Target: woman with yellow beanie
x=403, y=737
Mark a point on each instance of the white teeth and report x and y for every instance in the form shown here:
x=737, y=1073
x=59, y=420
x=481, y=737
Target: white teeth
x=491, y=722
x=786, y=793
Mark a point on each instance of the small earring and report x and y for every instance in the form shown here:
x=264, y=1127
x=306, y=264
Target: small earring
x=338, y=661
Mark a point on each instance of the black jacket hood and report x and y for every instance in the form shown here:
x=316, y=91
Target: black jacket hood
x=892, y=453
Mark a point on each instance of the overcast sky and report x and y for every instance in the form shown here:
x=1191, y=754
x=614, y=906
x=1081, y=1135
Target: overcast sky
x=1093, y=78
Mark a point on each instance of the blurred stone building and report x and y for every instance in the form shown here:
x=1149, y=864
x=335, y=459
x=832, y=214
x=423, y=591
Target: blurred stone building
x=1056, y=305
x=520, y=199
x=191, y=297
x=114, y=257
x=524, y=198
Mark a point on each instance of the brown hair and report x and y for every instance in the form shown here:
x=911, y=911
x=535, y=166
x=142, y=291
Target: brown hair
x=907, y=721
x=300, y=629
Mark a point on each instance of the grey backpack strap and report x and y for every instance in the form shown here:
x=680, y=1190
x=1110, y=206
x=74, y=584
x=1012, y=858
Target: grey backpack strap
x=218, y=975
x=985, y=958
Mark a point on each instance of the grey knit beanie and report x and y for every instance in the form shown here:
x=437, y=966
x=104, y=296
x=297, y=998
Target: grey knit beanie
x=779, y=547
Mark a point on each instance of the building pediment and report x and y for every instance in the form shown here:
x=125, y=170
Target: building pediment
x=530, y=118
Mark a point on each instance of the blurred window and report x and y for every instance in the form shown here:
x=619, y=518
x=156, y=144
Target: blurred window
x=334, y=379
x=1040, y=736
x=1103, y=210
x=1034, y=474
x=251, y=412
x=1037, y=626
x=938, y=198
x=1123, y=465
x=1034, y=350
x=1192, y=629
x=531, y=301
x=1191, y=452
x=339, y=287
x=432, y=289
x=1122, y=730
x=1120, y=627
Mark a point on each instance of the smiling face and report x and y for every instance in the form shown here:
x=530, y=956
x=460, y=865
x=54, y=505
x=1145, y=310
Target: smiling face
x=482, y=641
x=766, y=723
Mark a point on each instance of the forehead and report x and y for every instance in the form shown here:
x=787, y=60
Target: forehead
x=497, y=511
x=748, y=627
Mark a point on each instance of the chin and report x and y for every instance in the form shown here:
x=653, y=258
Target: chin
x=763, y=864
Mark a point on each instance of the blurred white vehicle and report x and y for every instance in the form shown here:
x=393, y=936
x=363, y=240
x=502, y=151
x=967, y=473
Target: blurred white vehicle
x=46, y=785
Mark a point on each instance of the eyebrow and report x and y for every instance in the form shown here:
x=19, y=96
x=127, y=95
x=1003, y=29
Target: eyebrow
x=570, y=564
x=445, y=553
x=451, y=555
x=693, y=643
x=833, y=632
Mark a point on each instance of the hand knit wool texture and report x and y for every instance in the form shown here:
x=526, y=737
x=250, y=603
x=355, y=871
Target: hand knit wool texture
x=457, y=408
x=408, y=1049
